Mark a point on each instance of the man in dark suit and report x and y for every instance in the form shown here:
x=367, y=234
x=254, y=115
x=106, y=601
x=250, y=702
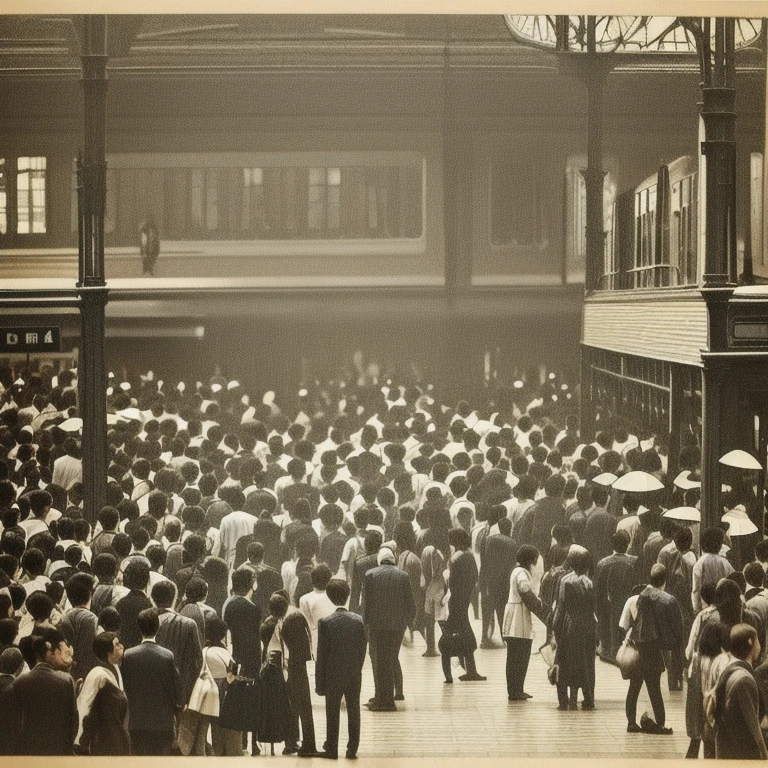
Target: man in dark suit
x=179, y=635
x=339, y=671
x=369, y=561
x=11, y=665
x=600, y=525
x=80, y=625
x=136, y=578
x=496, y=566
x=153, y=687
x=45, y=699
x=388, y=608
x=614, y=579
x=243, y=619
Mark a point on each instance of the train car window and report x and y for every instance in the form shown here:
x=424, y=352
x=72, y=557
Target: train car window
x=30, y=195
x=759, y=251
x=3, y=199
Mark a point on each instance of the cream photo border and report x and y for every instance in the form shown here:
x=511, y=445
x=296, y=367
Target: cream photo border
x=740, y=8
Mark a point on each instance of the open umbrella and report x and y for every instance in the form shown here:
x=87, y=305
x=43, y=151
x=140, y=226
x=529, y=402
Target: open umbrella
x=741, y=459
x=638, y=482
x=683, y=513
x=738, y=521
x=73, y=424
x=606, y=478
x=683, y=480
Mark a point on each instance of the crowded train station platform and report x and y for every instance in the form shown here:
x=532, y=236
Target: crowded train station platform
x=383, y=386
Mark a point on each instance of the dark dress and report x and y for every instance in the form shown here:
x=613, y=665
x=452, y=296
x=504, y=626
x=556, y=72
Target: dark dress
x=105, y=729
x=462, y=581
x=575, y=631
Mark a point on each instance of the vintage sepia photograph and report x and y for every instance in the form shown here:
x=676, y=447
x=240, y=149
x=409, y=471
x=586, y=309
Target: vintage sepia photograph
x=383, y=385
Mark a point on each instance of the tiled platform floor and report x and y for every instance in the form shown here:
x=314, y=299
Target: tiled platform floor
x=467, y=720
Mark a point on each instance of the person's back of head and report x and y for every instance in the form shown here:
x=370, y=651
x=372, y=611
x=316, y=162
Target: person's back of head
x=136, y=575
x=761, y=551
x=337, y=591
x=620, y=542
x=109, y=517
x=320, y=576
x=33, y=562
x=737, y=577
x=278, y=605
x=242, y=581
x=11, y=662
x=164, y=594
x=148, y=622
x=554, y=486
x=255, y=552
x=683, y=539
x=79, y=588
x=505, y=526
x=599, y=495
x=744, y=642
x=658, y=576
x=712, y=540
x=110, y=619
x=755, y=575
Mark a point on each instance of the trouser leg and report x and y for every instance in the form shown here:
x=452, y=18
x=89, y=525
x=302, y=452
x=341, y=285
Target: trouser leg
x=446, y=661
x=519, y=649
x=301, y=703
x=653, y=684
x=630, y=706
x=693, y=749
x=562, y=695
x=430, y=633
x=486, y=610
x=332, y=716
x=352, y=699
x=398, y=670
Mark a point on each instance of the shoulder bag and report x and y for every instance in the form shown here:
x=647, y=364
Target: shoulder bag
x=205, y=694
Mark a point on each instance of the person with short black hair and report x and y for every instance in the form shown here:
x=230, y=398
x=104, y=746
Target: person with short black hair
x=711, y=566
x=153, y=687
x=136, y=579
x=340, y=656
x=102, y=703
x=79, y=624
x=45, y=698
x=316, y=605
x=11, y=666
x=737, y=711
x=109, y=519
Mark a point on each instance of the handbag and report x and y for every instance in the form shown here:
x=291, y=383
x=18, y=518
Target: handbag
x=240, y=708
x=188, y=723
x=205, y=694
x=627, y=658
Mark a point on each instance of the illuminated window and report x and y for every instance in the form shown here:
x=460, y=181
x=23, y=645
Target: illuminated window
x=30, y=195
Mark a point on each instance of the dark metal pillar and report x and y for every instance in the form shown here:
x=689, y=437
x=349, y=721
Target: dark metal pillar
x=91, y=283
x=719, y=151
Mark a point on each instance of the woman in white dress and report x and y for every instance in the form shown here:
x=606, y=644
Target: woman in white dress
x=517, y=629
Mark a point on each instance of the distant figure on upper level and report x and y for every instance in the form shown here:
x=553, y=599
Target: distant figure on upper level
x=149, y=240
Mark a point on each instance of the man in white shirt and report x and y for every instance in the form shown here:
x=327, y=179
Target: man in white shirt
x=234, y=525
x=39, y=505
x=316, y=605
x=68, y=469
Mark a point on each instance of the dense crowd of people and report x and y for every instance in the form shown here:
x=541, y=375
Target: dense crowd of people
x=250, y=551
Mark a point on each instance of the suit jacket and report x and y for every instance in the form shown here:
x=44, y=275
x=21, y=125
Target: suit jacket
x=180, y=636
x=545, y=513
x=79, y=626
x=387, y=599
x=153, y=687
x=614, y=579
x=598, y=531
x=244, y=619
x=341, y=649
x=362, y=566
x=45, y=700
x=331, y=550
x=129, y=608
x=9, y=732
x=268, y=581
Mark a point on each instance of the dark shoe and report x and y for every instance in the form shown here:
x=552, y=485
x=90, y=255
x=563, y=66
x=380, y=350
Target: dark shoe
x=290, y=750
x=468, y=678
x=647, y=723
x=381, y=708
x=520, y=697
x=430, y=654
x=562, y=707
x=572, y=706
x=328, y=755
x=351, y=755
x=588, y=705
x=634, y=728
x=659, y=730
x=448, y=682
x=399, y=697
x=308, y=752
